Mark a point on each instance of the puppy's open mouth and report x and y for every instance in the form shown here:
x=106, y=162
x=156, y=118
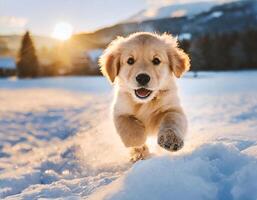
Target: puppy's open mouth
x=143, y=93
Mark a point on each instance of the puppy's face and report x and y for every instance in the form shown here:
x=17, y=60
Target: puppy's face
x=144, y=67
x=143, y=63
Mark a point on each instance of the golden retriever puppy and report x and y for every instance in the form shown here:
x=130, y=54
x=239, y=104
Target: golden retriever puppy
x=143, y=67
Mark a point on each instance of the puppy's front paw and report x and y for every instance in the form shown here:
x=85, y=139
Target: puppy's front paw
x=139, y=153
x=170, y=141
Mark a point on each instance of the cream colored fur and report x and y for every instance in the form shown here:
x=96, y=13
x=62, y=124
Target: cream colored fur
x=161, y=113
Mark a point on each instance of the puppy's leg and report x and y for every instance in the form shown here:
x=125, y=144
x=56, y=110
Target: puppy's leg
x=172, y=130
x=131, y=130
x=132, y=133
x=139, y=153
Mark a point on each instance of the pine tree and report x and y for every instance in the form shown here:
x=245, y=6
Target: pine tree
x=27, y=65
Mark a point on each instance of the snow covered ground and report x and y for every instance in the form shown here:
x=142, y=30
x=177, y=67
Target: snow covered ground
x=57, y=141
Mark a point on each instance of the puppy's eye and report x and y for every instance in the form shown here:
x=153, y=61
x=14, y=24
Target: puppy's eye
x=156, y=61
x=131, y=61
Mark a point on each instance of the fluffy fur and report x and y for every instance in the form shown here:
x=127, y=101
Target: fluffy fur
x=160, y=113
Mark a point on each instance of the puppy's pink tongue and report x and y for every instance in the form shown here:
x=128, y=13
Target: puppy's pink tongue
x=142, y=92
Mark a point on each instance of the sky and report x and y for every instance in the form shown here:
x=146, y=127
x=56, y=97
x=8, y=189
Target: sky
x=41, y=16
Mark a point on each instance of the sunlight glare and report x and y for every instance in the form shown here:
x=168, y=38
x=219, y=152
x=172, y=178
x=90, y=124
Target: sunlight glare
x=152, y=143
x=62, y=31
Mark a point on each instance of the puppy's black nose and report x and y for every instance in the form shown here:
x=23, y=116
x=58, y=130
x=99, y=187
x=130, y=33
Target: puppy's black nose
x=143, y=79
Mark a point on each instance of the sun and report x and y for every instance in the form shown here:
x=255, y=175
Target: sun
x=62, y=31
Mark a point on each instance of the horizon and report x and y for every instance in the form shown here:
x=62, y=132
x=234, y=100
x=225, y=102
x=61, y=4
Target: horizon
x=16, y=18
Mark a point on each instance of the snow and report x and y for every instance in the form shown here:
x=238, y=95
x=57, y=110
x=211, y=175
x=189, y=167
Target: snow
x=213, y=15
x=174, y=9
x=57, y=141
x=216, y=14
x=185, y=36
x=7, y=63
x=204, y=174
x=95, y=54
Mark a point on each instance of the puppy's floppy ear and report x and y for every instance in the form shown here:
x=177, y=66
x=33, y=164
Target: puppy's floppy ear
x=178, y=59
x=110, y=65
x=179, y=62
x=110, y=60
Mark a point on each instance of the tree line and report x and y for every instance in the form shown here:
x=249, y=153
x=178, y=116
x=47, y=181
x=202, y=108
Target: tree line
x=227, y=51
x=28, y=65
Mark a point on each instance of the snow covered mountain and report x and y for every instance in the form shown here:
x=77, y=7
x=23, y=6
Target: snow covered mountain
x=173, y=10
x=223, y=18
